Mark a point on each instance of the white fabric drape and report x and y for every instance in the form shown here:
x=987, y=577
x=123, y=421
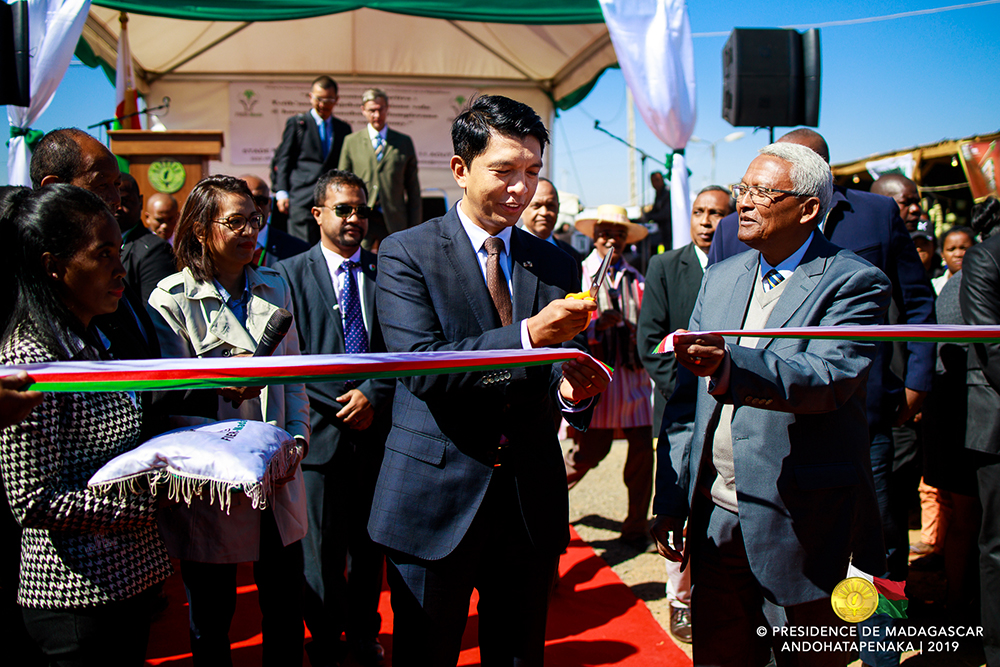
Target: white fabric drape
x=54, y=27
x=652, y=39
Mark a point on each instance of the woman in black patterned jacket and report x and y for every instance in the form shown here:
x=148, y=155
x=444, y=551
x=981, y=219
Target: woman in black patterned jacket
x=88, y=560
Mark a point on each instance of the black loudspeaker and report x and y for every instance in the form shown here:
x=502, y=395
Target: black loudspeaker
x=771, y=78
x=14, y=56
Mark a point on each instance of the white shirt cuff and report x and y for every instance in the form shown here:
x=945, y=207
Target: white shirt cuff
x=280, y=195
x=525, y=338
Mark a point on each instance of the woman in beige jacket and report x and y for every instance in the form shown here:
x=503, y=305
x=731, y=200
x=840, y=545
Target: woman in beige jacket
x=218, y=306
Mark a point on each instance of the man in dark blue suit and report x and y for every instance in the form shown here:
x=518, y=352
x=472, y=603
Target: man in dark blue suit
x=472, y=491
x=349, y=423
x=310, y=146
x=870, y=226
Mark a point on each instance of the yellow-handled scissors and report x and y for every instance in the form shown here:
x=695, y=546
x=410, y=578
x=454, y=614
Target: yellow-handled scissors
x=598, y=280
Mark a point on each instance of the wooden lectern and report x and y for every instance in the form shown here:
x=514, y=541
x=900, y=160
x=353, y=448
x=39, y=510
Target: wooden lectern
x=171, y=162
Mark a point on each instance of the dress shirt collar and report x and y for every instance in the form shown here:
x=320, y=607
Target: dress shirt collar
x=372, y=132
x=317, y=118
x=478, y=235
x=551, y=239
x=334, y=260
x=787, y=267
x=702, y=257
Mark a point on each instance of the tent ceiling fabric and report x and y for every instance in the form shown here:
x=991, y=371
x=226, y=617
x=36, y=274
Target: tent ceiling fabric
x=364, y=43
x=496, y=11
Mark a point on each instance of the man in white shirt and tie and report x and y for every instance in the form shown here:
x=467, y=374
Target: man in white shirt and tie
x=387, y=162
x=310, y=146
x=333, y=301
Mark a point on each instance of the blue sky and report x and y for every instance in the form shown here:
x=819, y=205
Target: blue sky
x=886, y=85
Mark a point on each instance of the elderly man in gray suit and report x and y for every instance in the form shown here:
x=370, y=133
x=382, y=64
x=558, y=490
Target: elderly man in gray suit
x=777, y=477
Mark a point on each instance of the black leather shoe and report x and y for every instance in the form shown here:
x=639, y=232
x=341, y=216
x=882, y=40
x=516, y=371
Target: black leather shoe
x=680, y=624
x=369, y=654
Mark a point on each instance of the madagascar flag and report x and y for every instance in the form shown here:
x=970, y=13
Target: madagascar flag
x=891, y=596
x=126, y=99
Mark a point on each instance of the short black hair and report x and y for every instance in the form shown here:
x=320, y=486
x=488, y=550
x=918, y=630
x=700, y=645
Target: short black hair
x=200, y=209
x=471, y=130
x=326, y=83
x=54, y=219
x=339, y=179
x=57, y=154
x=719, y=188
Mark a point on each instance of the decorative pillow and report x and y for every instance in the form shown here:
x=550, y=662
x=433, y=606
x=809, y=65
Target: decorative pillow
x=226, y=456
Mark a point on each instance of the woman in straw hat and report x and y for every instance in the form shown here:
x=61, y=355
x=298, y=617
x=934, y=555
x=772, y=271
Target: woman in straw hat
x=611, y=335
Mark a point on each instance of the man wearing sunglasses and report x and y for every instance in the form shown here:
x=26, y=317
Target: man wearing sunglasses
x=333, y=301
x=776, y=479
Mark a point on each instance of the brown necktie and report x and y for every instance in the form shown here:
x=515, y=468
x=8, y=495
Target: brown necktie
x=495, y=280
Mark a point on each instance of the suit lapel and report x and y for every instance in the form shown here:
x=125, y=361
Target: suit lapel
x=320, y=272
x=457, y=250
x=800, y=284
x=736, y=312
x=524, y=283
x=368, y=268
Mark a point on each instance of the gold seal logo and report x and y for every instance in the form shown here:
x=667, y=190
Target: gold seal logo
x=854, y=599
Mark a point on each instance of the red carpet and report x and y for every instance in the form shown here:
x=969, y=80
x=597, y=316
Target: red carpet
x=594, y=619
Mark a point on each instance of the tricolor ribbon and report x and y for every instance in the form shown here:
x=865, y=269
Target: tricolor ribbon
x=210, y=373
x=910, y=333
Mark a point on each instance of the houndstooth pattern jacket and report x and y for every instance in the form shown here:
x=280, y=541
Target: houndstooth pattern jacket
x=78, y=548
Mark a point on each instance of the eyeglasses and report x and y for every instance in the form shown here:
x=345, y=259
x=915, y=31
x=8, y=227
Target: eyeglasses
x=324, y=100
x=760, y=194
x=238, y=222
x=346, y=210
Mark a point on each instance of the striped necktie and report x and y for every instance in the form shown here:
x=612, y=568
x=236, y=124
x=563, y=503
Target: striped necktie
x=379, y=147
x=772, y=279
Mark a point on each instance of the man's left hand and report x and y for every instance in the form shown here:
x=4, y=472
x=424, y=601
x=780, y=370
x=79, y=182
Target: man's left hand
x=909, y=410
x=583, y=378
x=357, y=412
x=701, y=354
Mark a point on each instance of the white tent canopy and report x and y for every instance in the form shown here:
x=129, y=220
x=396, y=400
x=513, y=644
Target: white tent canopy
x=193, y=61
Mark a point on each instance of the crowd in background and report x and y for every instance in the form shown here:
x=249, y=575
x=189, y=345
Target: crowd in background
x=95, y=271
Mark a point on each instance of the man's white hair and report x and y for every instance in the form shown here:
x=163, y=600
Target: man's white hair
x=810, y=174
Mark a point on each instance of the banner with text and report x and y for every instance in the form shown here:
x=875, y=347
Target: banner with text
x=258, y=111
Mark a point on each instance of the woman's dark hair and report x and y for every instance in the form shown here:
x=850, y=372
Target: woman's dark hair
x=968, y=231
x=985, y=217
x=54, y=219
x=200, y=209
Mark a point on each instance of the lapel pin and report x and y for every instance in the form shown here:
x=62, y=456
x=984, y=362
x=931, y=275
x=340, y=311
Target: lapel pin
x=528, y=265
x=371, y=267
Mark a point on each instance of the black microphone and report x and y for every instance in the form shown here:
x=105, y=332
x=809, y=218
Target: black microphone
x=274, y=331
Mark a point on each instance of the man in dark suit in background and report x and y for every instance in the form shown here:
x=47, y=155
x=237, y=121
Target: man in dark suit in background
x=273, y=245
x=472, y=488
x=776, y=480
x=387, y=162
x=540, y=217
x=148, y=259
x=333, y=298
x=980, y=300
x=72, y=156
x=671, y=290
x=310, y=146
